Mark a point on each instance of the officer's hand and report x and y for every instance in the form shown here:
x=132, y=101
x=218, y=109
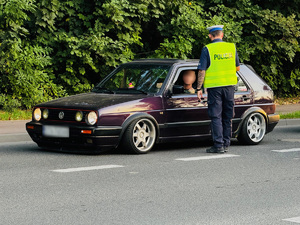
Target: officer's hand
x=199, y=95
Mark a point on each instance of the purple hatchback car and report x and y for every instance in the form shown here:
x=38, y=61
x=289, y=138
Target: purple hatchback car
x=142, y=103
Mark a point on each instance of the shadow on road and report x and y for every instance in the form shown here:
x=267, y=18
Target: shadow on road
x=32, y=148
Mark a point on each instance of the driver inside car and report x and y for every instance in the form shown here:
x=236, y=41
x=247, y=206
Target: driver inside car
x=189, y=77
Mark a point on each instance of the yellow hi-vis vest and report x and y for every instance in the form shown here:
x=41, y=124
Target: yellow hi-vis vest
x=222, y=69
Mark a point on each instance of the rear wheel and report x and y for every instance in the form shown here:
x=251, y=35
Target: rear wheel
x=139, y=136
x=253, y=129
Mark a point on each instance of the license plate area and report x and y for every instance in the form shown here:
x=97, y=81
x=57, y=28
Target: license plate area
x=56, y=131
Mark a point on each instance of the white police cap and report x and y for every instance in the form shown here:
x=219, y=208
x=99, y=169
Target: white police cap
x=214, y=28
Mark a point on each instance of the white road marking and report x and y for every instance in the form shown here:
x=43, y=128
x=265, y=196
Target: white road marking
x=291, y=140
x=294, y=219
x=69, y=170
x=207, y=157
x=287, y=150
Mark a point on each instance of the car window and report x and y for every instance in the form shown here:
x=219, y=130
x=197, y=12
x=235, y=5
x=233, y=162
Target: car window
x=241, y=85
x=135, y=78
x=187, y=78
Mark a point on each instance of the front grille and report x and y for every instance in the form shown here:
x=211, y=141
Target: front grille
x=69, y=115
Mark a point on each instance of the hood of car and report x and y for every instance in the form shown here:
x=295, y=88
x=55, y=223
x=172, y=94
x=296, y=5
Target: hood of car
x=91, y=101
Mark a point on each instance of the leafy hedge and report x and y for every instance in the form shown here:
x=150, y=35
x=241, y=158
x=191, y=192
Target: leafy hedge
x=50, y=49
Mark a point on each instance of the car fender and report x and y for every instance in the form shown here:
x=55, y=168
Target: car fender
x=136, y=116
x=249, y=111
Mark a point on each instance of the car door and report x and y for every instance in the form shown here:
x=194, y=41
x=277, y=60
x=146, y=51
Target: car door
x=185, y=115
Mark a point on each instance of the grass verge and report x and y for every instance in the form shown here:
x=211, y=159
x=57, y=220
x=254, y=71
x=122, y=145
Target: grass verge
x=17, y=114
x=292, y=115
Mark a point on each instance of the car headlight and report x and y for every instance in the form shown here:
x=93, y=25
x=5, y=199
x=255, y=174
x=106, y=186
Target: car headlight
x=91, y=118
x=37, y=114
x=45, y=113
x=78, y=116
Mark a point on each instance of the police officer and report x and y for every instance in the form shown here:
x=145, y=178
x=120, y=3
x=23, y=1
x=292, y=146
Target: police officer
x=217, y=72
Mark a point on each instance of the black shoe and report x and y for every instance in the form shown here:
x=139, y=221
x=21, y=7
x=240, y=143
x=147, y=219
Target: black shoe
x=215, y=150
x=226, y=148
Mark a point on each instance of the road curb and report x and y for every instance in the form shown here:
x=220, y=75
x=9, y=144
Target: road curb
x=288, y=122
x=12, y=126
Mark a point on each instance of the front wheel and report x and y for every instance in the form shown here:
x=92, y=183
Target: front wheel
x=253, y=129
x=140, y=136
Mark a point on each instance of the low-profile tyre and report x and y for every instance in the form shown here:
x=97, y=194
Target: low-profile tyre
x=253, y=129
x=140, y=136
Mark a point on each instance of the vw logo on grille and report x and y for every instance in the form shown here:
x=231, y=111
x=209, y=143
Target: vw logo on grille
x=61, y=115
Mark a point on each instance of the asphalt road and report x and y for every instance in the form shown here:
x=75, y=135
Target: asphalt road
x=174, y=184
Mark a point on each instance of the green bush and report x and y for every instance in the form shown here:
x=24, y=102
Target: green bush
x=25, y=65
x=50, y=49
x=9, y=104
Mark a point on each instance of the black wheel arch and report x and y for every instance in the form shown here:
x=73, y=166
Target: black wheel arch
x=249, y=111
x=136, y=116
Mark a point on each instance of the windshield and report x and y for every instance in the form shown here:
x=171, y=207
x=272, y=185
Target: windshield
x=134, y=79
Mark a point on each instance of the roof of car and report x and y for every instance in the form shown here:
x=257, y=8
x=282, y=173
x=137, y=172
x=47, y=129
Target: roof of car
x=165, y=61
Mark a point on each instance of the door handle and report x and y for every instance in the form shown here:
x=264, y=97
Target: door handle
x=245, y=97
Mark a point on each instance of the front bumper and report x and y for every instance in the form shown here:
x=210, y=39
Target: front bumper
x=98, y=138
x=273, y=120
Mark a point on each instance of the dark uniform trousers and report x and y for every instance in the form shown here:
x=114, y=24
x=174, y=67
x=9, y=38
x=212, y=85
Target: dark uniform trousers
x=221, y=111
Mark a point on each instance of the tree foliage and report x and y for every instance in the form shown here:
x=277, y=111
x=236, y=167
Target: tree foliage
x=50, y=49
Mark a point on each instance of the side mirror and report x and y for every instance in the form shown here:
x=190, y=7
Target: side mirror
x=178, y=89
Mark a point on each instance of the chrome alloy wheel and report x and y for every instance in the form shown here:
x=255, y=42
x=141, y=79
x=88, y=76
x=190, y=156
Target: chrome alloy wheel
x=256, y=127
x=143, y=135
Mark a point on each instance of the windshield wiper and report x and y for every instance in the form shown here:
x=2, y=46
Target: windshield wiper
x=132, y=89
x=103, y=89
x=143, y=92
